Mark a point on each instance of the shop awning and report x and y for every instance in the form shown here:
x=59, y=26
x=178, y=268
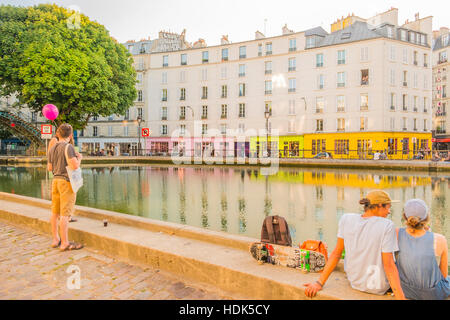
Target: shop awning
x=440, y=140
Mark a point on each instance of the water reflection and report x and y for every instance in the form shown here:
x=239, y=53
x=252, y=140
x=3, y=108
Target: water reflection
x=236, y=200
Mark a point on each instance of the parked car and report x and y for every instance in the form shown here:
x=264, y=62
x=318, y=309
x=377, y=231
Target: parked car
x=323, y=155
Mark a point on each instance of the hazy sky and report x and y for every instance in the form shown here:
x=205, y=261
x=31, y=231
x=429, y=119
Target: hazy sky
x=210, y=19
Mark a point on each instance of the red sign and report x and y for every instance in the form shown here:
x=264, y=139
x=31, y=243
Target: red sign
x=46, y=129
x=145, y=132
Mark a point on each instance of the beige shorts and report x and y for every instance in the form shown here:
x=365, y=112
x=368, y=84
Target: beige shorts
x=63, y=198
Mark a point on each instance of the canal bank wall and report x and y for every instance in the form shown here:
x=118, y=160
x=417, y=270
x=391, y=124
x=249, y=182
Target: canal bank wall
x=213, y=258
x=404, y=165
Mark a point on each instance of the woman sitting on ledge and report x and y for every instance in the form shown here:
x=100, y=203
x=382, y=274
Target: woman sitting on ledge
x=422, y=259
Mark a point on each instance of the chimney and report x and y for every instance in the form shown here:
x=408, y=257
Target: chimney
x=416, y=16
x=224, y=40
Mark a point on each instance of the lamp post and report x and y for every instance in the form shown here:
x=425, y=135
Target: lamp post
x=267, y=116
x=139, y=121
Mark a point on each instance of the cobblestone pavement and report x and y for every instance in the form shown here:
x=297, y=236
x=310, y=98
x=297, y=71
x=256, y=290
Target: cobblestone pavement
x=31, y=269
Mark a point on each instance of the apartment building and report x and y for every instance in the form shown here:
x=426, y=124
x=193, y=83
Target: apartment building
x=364, y=87
x=441, y=119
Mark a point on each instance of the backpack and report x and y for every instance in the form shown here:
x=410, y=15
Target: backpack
x=316, y=245
x=275, y=230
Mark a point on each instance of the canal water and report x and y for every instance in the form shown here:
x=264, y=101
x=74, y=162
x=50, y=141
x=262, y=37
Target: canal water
x=237, y=199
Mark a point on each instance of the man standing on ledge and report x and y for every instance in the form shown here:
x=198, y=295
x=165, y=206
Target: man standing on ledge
x=63, y=197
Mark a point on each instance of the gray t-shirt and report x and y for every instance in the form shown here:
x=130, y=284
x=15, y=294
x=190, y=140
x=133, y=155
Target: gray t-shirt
x=364, y=241
x=56, y=156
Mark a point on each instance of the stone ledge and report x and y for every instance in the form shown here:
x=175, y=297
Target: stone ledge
x=212, y=262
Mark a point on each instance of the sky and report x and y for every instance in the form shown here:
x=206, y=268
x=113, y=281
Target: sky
x=239, y=19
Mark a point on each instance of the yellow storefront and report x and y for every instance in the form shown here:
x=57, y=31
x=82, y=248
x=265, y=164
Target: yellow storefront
x=362, y=145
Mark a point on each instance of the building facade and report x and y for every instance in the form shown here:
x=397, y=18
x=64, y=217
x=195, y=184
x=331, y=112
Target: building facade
x=350, y=92
x=441, y=119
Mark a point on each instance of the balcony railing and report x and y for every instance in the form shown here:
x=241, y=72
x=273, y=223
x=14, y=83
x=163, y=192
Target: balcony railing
x=182, y=117
x=405, y=84
x=224, y=58
x=268, y=92
x=223, y=116
x=292, y=68
x=182, y=98
x=393, y=108
x=204, y=97
x=291, y=90
x=242, y=56
x=319, y=110
x=242, y=74
x=163, y=118
x=415, y=109
x=268, y=72
x=364, y=108
x=204, y=116
x=268, y=53
x=405, y=108
x=164, y=99
x=292, y=49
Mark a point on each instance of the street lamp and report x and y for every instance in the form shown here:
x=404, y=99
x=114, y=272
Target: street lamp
x=267, y=116
x=139, y=121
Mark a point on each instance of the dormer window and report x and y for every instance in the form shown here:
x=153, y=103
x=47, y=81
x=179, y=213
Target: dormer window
x=390, y=33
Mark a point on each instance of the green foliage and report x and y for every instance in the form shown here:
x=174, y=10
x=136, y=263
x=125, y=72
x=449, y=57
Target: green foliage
x=81, y=70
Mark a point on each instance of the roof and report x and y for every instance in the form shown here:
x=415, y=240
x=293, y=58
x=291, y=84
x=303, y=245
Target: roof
x=355, y=32
x=318, y=31
x=145, y=45
x=437, y=43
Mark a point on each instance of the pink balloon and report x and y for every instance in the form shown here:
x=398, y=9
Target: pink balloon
x=50, y=111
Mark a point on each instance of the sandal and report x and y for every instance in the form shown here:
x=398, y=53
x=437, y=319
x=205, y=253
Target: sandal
x=72, y=246
x=57, y=245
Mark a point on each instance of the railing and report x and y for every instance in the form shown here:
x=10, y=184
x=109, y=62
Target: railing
x=286, y=153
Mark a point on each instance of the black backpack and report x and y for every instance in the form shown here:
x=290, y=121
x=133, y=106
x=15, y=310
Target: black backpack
x=275, y=230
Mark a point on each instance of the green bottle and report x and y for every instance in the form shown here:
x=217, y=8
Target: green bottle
x=343, y=254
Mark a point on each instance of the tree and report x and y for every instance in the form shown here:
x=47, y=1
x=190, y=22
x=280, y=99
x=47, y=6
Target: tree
x=80, y=69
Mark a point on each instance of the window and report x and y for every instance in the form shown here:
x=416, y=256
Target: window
x=392, y=53
x=291, y=107
x=140, y=97
x=415, y=109
x=415, y=58
x=292, y=44
x=425, y=108
x=268, y=87
x=204, y=128
x=392, y=124
x=405, y=102
x=320, y=104
x=364, y=54
x=444, y=91
x=341, y=79
x=425, y=60
x=223, y=128
x=164, y=95
x=125, y=131
x=204, y=112
x=204, y=74
x=163, y=129
x=319, y=60
x=242, y=70
x=205, y=56
x=183, y=94
x=242, y=52
x=340, y=104
x=341, y=146
x=204, y=92
x=425, y=125
x=241, y=128
x=292, y=85
x=405, y=78
x=223, y=72
x=34, y=116
x=139, y=78
x=390, y=33
x=405, y=55
x=415, y=80
x=182, y=76
x=442, y=57
x=392, y=77
x=268, y=67
x=365, y=77
x=163, y=113
x=140, y=112
x=241, y=89
x=444, y=40
x=403, y=35
x=241, y=110
x=310, y=42
x=184, y=59
x=364, y=102
x=341, y=57
x=164, y=78
x=317, y=145
x=320, y=81
x=95, y=131
x=363, y=124
x=224, y=91
x=225, y=54
x=182, y=129
x=182, y=113
x=341, y=124
x=224, y=110
x=268, y=48
x=259, y=50
x=292, y=64
x=392, y=106
x=415, y=124
x=127, y=115
x=319, y=125
x=165, y=61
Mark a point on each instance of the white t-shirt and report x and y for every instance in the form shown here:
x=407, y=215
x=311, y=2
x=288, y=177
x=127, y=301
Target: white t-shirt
x=364, y=241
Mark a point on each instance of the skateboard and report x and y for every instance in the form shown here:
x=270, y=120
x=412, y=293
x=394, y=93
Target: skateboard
x=305, y=260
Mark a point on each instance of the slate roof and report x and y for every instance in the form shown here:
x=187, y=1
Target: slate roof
x=355, y=32
x=437, y=43
x=145, y=45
